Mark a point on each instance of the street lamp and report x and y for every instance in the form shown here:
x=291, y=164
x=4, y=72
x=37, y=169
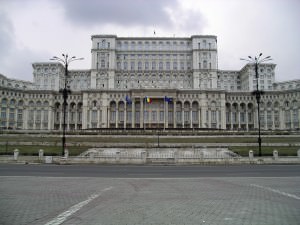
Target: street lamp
x=65, y=60
x=256, y=61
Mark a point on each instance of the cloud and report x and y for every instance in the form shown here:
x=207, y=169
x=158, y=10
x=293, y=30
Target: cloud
x=186, y=20
x=6, y=35
x=125, y=12
x=15, y=60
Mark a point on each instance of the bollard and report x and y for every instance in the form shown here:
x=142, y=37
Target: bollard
x=66, y=153
x=16, y=154
x=275, y=154
x=251, y=156
x=41, y=154
x=298, y=153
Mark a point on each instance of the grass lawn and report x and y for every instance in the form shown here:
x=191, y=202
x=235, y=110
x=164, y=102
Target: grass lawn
x=266, y=150
x=54, y=147
x=149, y=139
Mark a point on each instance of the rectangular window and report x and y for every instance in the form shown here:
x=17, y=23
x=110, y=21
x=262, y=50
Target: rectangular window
x=125, y=66
x=31, y=114
x=94, y=116
x=137, y=117
x=153, y=65
x=139, y=66
x=11, y=114
x=132, y=66
x=168, y=66
x=154, y=116
x=146, y=65
x=250, y=117
x=113, y=116
x=38, y=115
x=195, y=116
x=227, y=117
x=118, y=65
x=20, y=114
x=213, y=117
x=121, y=116
x=174, y=65
x=234, y=117
x=242, y=115
x=170, y=117
x=146, y=116
x=45, y=115
x=161, y=116
x=181, y=65
x=178, y=116
x=186, y=116
x=129, y=116
x=160, y=65
x=79, y=117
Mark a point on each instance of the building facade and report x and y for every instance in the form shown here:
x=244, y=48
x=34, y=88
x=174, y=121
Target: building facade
x=150, y=82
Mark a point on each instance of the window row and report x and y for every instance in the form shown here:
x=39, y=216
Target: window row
x=154, y=65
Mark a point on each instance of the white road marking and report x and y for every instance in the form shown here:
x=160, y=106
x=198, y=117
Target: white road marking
x=277, y=191
x=63, y=216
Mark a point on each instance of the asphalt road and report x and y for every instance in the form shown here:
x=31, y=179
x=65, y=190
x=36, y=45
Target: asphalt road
x=121, y=171
x=149, y=195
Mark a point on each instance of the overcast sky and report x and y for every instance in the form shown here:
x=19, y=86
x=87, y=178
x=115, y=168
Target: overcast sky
x=35, y=30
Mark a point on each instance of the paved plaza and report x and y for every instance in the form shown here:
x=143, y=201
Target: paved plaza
x=109, y=201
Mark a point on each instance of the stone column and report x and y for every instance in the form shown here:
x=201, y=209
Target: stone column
x=25, y=119
x=174, y=114
x=182, y=116
x=266, y=119
x=117, y=116
x=108, y=117
x=133, y=113
x=166, y=114
x=217, y=118
x=142, y=111
x=209, y=118
x=239, y=119
x=125, y=114
x=273, y=120
x=246, y=119
x=203, y=117
x=50, y=118
x=231, y=119
x=34, y=115
x=199, y=117
x=292, y=119
x=223, y=118
x=281, y=119
x=191, y=117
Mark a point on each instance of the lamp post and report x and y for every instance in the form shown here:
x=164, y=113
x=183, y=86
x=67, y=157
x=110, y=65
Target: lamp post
x=65, y=60
x=257, y=93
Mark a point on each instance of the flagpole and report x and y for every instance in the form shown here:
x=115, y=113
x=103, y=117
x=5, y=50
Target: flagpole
x=165, y=113
x=144, y=108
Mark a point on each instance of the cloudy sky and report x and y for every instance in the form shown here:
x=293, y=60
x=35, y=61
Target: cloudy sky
x=35, y=30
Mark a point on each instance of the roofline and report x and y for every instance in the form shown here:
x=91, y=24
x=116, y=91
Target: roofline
x=152, y=38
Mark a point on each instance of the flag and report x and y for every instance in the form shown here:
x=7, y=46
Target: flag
x=128, y=100
x=148, y=100
x=168, y=99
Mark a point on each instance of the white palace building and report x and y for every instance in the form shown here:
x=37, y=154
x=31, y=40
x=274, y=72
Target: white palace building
x=150, y=82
